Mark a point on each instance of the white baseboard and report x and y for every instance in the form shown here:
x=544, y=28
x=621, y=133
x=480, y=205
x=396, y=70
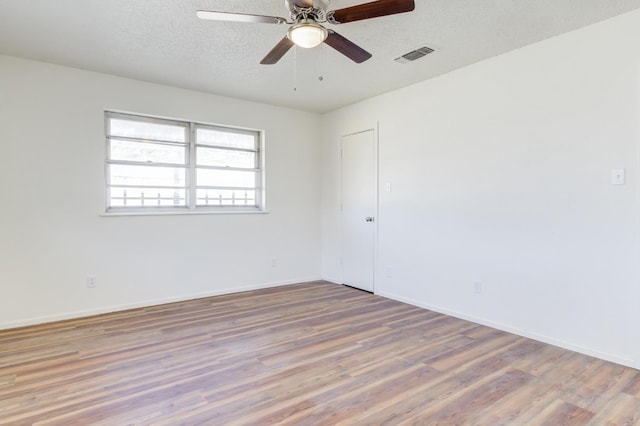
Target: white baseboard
x=514, y=330
x=145, y=303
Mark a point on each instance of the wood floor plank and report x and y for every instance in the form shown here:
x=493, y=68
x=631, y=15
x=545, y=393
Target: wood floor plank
x=562, y=413
x=467, y=404
x=633, y=386
x=312, y=353
x=620, y=410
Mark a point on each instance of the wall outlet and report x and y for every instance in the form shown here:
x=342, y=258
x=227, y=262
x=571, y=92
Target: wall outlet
x=477, y=288
x=274, y=263
x=91, y=282
x=388, y=272
x=617, y=177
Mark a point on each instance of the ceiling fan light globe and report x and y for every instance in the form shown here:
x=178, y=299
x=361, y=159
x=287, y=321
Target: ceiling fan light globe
x=307, y=35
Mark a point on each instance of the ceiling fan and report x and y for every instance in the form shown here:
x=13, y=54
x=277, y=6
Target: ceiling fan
x=305, y=19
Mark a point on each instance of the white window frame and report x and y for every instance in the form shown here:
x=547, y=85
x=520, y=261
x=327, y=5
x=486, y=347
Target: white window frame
x=190, y=166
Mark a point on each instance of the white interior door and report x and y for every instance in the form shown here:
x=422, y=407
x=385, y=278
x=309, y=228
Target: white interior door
x=358, y=209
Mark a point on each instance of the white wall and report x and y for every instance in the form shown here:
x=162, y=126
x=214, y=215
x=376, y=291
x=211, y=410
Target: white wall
x=51, y=195
x=500, y=174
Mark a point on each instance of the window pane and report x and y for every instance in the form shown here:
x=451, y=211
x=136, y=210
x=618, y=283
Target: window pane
x=147, y=197
x=225, y=158
x=230, y=178
x=226, y=197
x=146, y=175
x=147, y=130
x=147, y=152
x=209, y=136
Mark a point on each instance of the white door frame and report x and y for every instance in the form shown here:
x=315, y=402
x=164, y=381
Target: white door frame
x=373, y=128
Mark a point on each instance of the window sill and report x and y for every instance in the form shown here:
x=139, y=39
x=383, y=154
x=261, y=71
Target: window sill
x=183, y=213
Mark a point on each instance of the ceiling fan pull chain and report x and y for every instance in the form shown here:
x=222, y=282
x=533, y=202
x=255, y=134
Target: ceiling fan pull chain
x=295, y=67
x=320, y=66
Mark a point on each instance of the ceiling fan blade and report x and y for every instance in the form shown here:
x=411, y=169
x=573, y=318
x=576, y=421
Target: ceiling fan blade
x=212, y=15
x=370, y=10
x=346, y=47
x=277, y=52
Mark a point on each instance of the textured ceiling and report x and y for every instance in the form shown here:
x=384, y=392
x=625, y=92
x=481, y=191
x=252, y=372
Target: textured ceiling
x=163, y=42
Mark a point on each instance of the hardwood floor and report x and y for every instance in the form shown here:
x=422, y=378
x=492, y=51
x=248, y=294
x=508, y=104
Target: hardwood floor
x=314, y=353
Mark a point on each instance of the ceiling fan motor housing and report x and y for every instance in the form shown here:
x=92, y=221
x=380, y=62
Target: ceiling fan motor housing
x=301, y=4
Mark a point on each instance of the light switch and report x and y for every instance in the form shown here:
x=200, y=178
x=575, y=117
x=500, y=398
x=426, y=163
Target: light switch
x=617, y=177
x=387, y=187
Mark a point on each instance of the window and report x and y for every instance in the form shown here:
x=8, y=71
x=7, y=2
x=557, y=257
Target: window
x=158, y=165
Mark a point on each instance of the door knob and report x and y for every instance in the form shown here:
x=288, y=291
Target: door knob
x=368, y=219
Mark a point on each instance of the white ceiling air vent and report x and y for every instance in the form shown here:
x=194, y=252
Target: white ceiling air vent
x=414, y=54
